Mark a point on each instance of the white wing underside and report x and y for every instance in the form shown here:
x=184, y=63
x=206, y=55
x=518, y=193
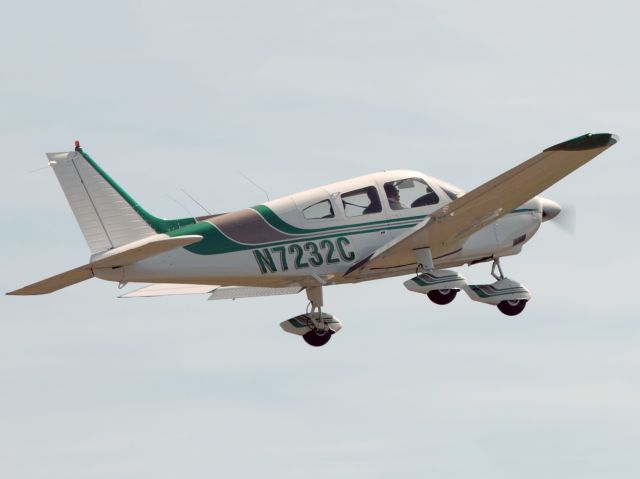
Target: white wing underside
x=216, y=291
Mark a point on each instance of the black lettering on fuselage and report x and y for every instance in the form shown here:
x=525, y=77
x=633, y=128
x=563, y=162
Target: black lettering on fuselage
x=304, y=255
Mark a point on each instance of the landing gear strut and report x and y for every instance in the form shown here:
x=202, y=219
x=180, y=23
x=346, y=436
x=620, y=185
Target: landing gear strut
x=320, y=333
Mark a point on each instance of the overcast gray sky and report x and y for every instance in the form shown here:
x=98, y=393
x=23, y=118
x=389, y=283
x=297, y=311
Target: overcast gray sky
x=169, y=95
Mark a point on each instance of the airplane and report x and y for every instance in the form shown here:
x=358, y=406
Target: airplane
x=380, y=225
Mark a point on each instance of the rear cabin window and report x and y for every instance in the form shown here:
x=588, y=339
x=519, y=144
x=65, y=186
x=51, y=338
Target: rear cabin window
x=409, y=193
x=361, y=202
x=317, y=211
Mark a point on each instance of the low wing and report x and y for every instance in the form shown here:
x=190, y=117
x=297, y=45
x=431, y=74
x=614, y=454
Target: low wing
x=121, y=256
x=447, y=228
x=216, y=291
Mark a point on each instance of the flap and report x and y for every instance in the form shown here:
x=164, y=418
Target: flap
x=217, y=292
x=170, y=289
x=237, y=292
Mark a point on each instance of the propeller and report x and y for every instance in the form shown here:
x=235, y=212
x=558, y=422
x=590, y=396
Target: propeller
x=566, y=220
x=563, y=218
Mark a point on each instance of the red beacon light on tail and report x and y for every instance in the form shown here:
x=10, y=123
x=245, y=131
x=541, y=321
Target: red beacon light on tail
x=77, y=144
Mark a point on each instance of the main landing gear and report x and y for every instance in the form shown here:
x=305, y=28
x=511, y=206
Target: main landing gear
x=508, y=295
x=315, y=327
x=441, y=286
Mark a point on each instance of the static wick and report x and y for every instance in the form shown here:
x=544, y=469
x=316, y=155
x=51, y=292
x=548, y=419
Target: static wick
x=50, y=163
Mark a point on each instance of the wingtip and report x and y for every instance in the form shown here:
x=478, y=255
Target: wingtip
x=586, y=142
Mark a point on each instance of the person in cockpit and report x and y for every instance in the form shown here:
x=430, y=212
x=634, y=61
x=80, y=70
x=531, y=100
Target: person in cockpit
x=393, y=196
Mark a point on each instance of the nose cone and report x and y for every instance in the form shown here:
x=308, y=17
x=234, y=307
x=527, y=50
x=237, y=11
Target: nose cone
x=550, y=209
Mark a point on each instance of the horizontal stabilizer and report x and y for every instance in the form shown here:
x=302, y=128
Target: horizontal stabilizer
x=122, y=256
x=217, y=292
x=141, y=249
x=56, y=282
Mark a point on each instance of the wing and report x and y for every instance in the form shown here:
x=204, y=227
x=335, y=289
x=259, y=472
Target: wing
x=447, y=228
x=216, y=291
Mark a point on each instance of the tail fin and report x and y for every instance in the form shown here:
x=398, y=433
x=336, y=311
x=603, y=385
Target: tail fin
x=107, y=215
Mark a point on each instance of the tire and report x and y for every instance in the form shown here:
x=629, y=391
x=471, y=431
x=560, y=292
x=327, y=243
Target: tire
x=512, y=307
x=442, y=296
x=312, y=338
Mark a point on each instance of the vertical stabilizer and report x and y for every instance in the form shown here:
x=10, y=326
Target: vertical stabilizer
x=107, y=215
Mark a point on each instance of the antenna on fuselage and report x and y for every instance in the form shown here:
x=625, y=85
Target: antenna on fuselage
x=196, y=201
x=181, y=205
x=255, y=184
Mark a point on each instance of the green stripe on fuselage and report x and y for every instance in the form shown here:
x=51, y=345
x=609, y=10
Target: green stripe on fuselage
x=215, y=242
x=275, y=221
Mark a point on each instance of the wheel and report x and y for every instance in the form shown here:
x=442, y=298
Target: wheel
x=314, y=339
x=512, y=307
x=442, y=296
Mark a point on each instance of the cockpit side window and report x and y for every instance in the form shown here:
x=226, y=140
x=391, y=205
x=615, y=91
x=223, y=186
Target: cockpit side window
x=409, y=193
x=360, y=202
x=317, y=211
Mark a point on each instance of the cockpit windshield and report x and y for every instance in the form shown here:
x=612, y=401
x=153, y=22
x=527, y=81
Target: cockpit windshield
x=409, y=193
